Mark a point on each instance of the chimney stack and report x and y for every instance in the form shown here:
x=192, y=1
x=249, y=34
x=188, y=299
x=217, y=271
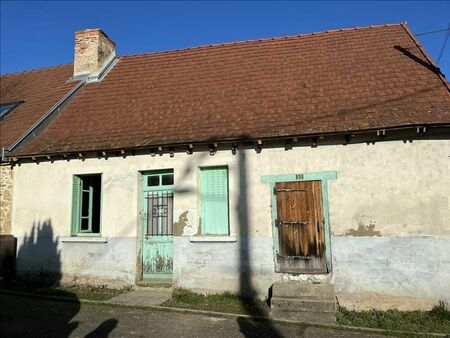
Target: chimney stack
x=94, y=52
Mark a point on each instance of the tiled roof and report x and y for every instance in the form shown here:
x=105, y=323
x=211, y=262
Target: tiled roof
x=39, y=89
x=337, y=81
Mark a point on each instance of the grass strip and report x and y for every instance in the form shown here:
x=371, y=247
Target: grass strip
x=221, y=302
x=436, y=320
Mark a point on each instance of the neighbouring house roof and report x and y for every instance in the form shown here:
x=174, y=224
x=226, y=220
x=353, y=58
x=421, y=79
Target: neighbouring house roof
x=38, y=90
x=328, y=82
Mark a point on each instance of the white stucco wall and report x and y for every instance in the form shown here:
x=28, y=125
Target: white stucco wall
x=385, y=190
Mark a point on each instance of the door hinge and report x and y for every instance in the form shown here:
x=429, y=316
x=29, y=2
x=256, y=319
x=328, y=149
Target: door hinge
x=275, y=190
x=293, y=222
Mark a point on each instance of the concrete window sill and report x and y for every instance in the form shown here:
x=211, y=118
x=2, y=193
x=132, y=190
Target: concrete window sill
x=84, y=239
x=213, y=239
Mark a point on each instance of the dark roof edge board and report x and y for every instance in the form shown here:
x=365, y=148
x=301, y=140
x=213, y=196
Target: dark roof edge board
x=420, y=128
x=426, y=55
x=30, y=133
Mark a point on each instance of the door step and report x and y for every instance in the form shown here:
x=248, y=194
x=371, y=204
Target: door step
x=156, y=283
x=305, y=317
x=303, y=302
x=305, y=305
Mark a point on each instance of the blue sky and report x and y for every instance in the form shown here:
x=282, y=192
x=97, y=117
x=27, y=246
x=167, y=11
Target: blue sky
x=40, y=34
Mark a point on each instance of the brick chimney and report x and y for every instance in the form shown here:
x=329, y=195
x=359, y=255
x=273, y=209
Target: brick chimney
x=94, y=52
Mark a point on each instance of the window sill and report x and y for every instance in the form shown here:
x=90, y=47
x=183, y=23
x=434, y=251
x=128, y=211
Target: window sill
x=212, y=238
x=84, y=239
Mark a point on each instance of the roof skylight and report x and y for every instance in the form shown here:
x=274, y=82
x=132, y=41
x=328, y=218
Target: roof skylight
x=6, y=108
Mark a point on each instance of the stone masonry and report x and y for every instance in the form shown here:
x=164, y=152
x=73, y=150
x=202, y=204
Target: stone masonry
x=6, y=191
x=93, y=50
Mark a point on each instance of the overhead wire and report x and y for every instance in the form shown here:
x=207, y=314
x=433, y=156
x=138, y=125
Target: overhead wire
x=443, y=44
x=440, y=30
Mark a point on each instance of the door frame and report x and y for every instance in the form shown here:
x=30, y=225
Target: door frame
x=302, y=177
x=142, y=222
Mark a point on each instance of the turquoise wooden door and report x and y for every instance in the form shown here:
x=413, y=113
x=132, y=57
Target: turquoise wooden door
x=157, y=225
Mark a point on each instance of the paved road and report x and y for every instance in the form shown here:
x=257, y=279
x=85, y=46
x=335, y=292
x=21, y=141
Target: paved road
x=31, y=317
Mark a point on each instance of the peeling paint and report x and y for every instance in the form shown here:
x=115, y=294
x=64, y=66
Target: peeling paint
x=163, y=263
x=139, y=267
x=181, y=224
x=364, y=231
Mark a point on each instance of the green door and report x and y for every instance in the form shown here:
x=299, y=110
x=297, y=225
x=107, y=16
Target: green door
x=157, y=225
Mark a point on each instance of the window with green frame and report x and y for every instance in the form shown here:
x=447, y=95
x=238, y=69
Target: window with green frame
x=86, y=203
x=214, y=201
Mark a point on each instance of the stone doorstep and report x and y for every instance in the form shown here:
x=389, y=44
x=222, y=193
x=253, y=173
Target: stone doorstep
x=303, y=290
x=153, y=284
x=303, y=302
x=299, y=305
x=304, y=316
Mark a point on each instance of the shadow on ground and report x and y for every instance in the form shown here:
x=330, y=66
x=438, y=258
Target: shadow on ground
x=38, y=268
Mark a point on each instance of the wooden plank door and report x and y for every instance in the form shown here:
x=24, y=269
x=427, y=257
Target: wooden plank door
x=300, y=226
x=157, y=226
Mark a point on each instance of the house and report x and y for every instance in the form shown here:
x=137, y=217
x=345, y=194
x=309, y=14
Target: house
x=320, y=158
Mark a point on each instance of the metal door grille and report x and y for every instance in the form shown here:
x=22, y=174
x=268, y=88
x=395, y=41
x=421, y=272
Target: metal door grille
x=159, y=213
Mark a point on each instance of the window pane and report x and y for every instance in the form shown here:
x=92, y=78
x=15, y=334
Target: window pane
x=89, y=212
x=6, y=108
x=167, y=179
x=86, y=182
x=96, y=201
x=153, y=181
x=84, y=224
x=85, y=204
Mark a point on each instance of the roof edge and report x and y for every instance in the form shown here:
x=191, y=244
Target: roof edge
x=426, y=55
x=36, y=69
x=55, y=108
x=231, y=140
x=275, y=38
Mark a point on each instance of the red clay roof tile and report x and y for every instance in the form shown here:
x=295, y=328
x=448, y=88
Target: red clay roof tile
x=336, y=81
x=39, y=89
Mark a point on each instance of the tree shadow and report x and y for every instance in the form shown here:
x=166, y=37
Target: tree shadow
x=38, y=273
x=38, y=262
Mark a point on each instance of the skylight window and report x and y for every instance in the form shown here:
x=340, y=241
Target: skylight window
x=5, y=108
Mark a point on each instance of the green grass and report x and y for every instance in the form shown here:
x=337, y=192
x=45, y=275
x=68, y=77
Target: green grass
x=436, y=320
x=70, y=291
x=223, y=302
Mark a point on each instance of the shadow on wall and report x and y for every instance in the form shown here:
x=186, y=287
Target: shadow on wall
x=39, y=272
x=38, y=259
x=8, y=247
x=247, y=327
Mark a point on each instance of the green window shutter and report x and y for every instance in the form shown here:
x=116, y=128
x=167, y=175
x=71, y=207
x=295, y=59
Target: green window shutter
x=76, y=199
x=214, y=201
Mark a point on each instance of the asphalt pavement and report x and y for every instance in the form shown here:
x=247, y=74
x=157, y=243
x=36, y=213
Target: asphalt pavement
x=22, y=316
